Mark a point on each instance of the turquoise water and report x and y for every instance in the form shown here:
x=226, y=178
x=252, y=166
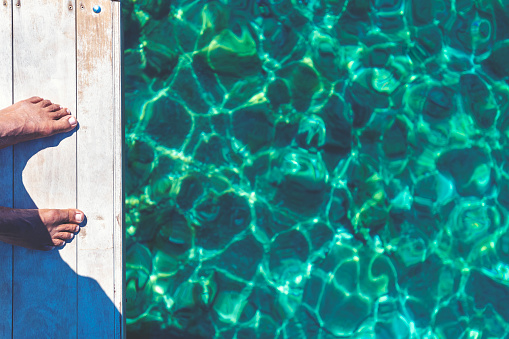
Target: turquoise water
x=317, y=168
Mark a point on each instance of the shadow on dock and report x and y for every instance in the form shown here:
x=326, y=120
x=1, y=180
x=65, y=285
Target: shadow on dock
x=49, y=299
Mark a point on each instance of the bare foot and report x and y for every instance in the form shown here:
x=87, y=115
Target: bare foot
x=39, y=229
x=33, y=118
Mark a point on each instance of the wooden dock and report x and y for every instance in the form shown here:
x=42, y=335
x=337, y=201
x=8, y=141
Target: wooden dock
x=64, y=51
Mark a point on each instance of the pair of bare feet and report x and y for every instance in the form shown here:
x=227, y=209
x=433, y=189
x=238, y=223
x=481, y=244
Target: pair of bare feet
x=36, y=229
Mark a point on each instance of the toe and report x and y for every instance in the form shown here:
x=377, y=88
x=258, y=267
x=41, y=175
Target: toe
x=53, y=108
x=58, y=242
x=64, y=236
x=76, y=216
x=34, y=100
x=45, y=103
x=62, y=112
x=62, y=218
x=71, y=228
x=65, y=124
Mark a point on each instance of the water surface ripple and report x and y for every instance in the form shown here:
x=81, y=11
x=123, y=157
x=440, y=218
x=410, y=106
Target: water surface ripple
x=317, y=168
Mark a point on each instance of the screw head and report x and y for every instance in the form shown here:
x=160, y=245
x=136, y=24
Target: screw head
x=97, y=9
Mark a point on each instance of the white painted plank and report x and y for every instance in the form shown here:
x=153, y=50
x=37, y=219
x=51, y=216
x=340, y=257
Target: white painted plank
x=119, y=234
x=95, y=150
x=6, y=165
x=44, y=289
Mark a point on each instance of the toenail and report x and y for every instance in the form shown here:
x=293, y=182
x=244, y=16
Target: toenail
x=72, y=121
x=77, y=229
x=79, y=218
x=67, y=110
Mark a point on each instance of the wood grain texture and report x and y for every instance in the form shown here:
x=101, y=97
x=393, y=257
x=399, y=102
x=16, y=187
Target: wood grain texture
x=119, y=233
x=95, y=148
x=44, y=287
x=6, y=166
x=64, y=52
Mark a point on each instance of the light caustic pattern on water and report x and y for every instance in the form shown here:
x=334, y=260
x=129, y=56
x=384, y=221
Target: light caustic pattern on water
x=317, y=168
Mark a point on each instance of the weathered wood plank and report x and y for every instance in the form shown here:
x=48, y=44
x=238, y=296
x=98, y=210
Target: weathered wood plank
x=119, y=234
x=44, y=288
x=95, y=147
x=6, y=165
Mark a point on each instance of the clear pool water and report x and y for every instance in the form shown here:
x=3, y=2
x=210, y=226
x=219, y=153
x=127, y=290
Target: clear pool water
x=317, y=168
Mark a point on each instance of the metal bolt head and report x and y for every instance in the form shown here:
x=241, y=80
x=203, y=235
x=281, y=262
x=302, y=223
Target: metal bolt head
x=97, y=9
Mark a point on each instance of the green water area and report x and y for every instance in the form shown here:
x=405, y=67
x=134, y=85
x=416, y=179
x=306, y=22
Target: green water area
x=317, y=168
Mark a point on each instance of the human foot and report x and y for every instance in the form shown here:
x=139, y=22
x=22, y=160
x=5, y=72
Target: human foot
x=39, y=229
x=31, y=119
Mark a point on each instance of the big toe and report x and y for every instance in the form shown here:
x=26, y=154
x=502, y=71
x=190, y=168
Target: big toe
x=75, y=216
x=65, y=124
